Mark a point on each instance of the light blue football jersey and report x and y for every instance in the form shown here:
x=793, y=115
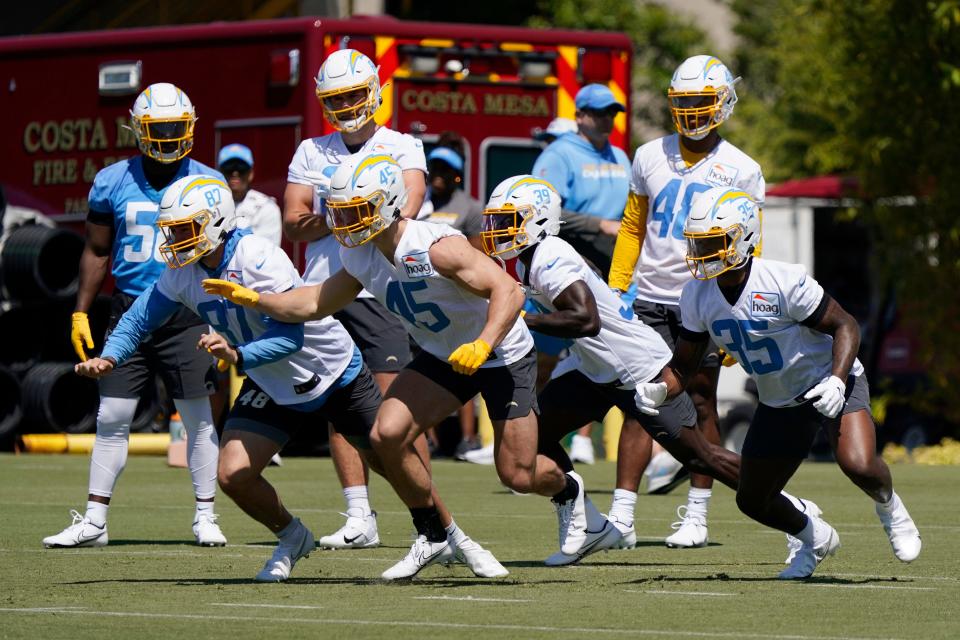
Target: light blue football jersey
x=123, y=191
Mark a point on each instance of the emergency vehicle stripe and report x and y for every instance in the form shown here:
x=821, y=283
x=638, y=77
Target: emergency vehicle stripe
x=388, y=60
x=567, y=77
x=618, y=85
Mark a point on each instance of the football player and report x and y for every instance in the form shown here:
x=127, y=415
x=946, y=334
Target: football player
x=667, y=175
x=800, y=347
x=462, y=310
x=298, y=375
x=348, y=89
x=612, y=356
x=121, y=227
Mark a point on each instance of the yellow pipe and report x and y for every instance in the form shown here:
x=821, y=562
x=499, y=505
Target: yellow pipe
x=152, y=444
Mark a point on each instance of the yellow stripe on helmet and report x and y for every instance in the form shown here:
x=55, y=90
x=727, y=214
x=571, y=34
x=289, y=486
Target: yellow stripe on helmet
x=530, y=180
x=200, y=182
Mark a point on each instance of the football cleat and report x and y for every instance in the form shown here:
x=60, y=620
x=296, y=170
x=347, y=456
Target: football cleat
x=628, y=534
x=480, y=456
x=691, y=530
x=607, y=538
x=422, y=553
x=664, y=474
x=572, y=519
x=278, y=567
x=902, y=532
x=357, y=533
x=81, y=533
x=810, y=508
x=207, y=531
x=807, y=558
x=581, y=450
x=481, y=562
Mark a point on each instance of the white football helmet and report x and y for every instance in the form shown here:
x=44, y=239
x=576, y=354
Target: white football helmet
x=365, y=197
x=722, y=229
x=522, y=211
x=701, y=95
x=342, y=73
x=196, y=213
x=163, y=118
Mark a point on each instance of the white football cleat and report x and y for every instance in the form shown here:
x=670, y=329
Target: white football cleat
x=357, y=533
x=81, y=533
x=607, y=538
x=481, y=562
x=572, y=519
x=207, y=531
x=480, y=456
x=628, y=534
x=691, y=530
x=810, y=508
x=664, y=474
x=581, y=450
x=808, y=557
x=902, y=532
x=422, y=553
x=280, y=564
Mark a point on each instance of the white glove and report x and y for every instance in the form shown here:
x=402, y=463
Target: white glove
x=650, y=395
x=830, y=390
x=321, y=183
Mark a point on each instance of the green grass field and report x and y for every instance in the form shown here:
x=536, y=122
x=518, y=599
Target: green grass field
x=151, y=582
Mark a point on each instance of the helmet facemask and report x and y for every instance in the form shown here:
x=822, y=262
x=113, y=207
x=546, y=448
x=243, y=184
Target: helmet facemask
x=165, y=140
x=716, y=251
x=186, y=240
x=351, y=117
x=356, y=222
x=696, y=113
x=503, y=232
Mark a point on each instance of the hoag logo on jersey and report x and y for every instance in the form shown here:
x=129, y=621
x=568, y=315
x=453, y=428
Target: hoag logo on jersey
x=722, y=175
x=417, y=265
x=764, y=305
x=235, y=276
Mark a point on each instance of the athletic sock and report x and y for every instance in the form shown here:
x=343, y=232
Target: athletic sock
x=455, y=534
x=569, y=492
x=358, y=501
x=97, y=513
x=890, y=505
x=286, y=534
x=698, y=500
x=624, y=504
x=427, y=522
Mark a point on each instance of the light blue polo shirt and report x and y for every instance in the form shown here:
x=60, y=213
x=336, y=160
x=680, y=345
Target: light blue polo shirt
x=589, y=181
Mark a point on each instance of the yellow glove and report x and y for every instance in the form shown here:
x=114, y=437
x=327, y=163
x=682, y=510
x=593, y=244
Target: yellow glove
x=232, y=291
x=726, y=359
x=222, y=365
x=468, y=357
x=80, y=334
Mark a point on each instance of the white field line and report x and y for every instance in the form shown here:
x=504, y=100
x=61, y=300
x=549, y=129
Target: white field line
x=264, y=606
x=469, y=599
x=419, y=624
x=681, y=593
x=872, y=586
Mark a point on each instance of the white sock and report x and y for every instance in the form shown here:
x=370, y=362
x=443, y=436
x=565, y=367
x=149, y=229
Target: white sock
x=698, y=500
x=455, y=534
x=204, y=507
x=97, y=513
x=110, y=446
x=890, y=504
x=203, y=445
x=624, y=504
x=290, y=530
x=358, y=501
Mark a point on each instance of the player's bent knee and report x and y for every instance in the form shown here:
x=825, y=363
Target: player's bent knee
x=234, y=478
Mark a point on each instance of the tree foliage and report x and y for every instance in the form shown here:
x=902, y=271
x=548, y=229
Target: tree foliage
x=871, y=89
x=661, y=40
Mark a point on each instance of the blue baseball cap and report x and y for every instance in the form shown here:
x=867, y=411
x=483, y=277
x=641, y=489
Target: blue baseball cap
x=235, y=152
x=596, y=96
x=449, y=156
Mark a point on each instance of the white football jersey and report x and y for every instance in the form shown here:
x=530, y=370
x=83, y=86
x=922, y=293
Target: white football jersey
x=325, y=154
x=762, y=329
x=260, y=265
x=660, y=174
x=438, y=313
x=625, y=349
x=260, y=213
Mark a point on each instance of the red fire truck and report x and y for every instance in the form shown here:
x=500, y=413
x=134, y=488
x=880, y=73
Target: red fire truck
x=66, y=97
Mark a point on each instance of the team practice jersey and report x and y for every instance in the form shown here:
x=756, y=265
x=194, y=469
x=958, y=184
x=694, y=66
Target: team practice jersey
x=438, y=313
x=292, y=363
x=122, y=196
x=625, y=349
x=762, y=329
x=660, y=174
x=325, y=154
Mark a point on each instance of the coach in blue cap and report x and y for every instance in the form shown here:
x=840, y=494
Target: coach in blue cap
x=446, y=200
x=256, y=210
